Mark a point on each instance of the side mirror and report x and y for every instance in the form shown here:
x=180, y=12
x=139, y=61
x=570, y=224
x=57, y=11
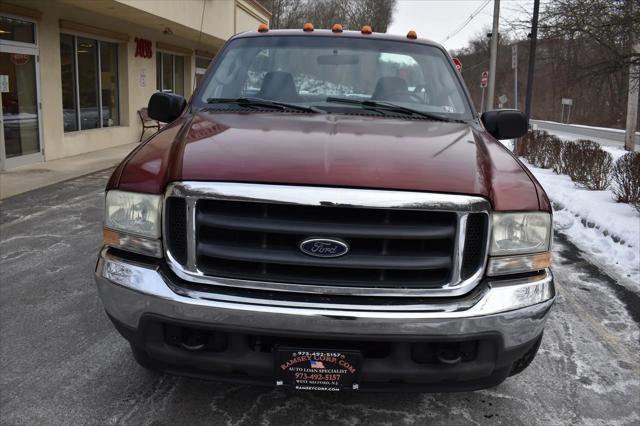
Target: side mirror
x=165, y=107
x=505, y=123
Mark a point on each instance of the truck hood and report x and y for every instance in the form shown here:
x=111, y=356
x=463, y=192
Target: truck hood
x=332, y=150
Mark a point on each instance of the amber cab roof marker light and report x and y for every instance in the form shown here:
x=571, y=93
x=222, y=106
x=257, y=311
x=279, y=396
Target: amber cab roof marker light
x=366, y=29
x=263, y=28
x=337, y=28
x=412, y=35
x=307, y=26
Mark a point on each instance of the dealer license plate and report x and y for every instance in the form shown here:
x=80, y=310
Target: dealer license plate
x=318, y=370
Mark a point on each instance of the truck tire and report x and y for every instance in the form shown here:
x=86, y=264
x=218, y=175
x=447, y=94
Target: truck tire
x=521, y=364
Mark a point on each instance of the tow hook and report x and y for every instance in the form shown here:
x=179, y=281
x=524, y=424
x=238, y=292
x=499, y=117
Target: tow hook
x=449, y=353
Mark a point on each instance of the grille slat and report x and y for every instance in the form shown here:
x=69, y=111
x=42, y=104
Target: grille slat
x=290, y=257
x=382, y=231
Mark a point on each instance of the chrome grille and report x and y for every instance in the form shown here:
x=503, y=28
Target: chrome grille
x=401, y=243
x=236, y=239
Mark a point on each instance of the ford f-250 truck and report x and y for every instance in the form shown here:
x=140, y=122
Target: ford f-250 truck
x=329, y=212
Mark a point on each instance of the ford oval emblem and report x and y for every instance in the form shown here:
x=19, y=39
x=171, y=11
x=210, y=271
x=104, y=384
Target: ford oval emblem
x=324, y=247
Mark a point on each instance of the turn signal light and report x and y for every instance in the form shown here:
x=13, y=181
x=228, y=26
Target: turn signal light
x=307, y=27
x=366, y=30
x=263, y=28
x=337, y=28
x=110, y=238
x=504, y=265
x=133, y=243
x=412, y=35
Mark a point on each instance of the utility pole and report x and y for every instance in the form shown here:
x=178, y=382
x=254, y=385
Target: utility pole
x=494, y=54
x=514, y=65
x=532, y=58
x=632, y=104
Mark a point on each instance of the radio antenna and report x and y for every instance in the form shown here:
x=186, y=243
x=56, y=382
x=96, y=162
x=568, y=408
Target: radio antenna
x=204, y=4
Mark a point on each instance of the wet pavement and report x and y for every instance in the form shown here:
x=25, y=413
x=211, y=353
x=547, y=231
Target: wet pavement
x=61, y=361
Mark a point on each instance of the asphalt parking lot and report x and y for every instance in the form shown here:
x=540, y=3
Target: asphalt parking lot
x=61, y=361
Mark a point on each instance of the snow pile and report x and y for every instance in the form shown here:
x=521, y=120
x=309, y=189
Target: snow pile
x=608, y=232
x=614, y=151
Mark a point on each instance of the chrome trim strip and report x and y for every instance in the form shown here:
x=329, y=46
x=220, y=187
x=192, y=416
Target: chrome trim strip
x=191, y=234
x=445, y=291
x=326, y=196
x=500, y=296
x=462, y=205
x=461, y=234
x=460, y=304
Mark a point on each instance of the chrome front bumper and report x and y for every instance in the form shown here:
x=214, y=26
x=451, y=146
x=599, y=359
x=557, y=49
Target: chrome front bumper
x=515, y=309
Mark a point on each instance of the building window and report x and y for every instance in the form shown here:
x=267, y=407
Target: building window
x=170, y=73
x=12, y=29
x=202, y=63
x=89, y=83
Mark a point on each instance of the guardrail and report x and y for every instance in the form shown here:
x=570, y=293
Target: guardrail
x=616, y=135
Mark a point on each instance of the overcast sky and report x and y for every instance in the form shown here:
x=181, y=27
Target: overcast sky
x=437, y=19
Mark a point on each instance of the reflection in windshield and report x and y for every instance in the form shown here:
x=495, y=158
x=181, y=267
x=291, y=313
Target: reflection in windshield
x=308, y=70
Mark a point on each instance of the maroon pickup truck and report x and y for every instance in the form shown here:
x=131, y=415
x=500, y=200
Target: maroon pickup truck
x=329, y=212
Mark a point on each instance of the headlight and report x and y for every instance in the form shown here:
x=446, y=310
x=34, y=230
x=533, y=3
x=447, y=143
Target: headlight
x=133, y=222
x=519, y=233
x=133, y=213
x=519, y=243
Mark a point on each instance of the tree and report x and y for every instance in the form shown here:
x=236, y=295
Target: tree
x=604, y=27
x=352, y=14
x=584, y=53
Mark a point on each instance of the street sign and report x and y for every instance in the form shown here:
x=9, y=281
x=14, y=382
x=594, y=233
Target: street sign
x=458, y=64
x=484, y=79
x=568, y=102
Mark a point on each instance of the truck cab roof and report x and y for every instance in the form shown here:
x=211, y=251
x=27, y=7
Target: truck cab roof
x=330, y=33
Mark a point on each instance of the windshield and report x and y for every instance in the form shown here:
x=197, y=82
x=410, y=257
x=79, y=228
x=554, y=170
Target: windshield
x=305, y=70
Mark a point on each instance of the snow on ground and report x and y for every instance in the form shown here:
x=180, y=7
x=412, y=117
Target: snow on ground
x=608, y=232
x=615, y=151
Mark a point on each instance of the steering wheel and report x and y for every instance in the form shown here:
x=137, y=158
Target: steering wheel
x=404, y=96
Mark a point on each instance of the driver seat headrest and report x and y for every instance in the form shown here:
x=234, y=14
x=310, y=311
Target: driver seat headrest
x=279, y=86
x=387, y=86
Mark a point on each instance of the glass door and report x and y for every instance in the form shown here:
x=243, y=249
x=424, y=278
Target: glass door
x=20, y=112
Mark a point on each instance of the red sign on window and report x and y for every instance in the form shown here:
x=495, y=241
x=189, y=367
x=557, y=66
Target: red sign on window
x=19, y=58
x=143, y=48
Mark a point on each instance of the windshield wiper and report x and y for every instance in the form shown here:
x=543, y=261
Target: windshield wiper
x=388, y=106
x=259, y=102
